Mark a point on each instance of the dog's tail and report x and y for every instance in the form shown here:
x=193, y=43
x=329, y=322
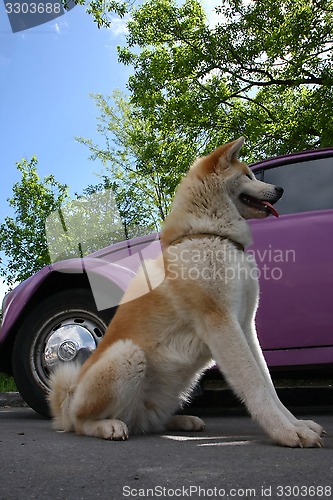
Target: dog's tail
x=63, y=383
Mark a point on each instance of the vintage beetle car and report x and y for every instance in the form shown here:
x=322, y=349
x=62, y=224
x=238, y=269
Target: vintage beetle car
x=52, y=316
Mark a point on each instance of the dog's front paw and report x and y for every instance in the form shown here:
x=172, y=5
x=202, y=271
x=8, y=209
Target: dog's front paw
x=318, y=429
x=112, y=429
x=185, y=423
x=297, y=436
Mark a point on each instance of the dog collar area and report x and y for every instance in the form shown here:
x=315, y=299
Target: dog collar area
x=238, y=245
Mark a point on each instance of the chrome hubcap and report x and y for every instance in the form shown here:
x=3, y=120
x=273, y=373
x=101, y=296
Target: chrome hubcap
x=68, y=339
x=67, y=350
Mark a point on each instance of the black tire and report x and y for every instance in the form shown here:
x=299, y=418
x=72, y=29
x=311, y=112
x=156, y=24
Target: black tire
x=31, y=368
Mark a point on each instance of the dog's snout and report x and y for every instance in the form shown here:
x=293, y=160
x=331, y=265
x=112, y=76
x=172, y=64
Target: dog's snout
x=279, y=191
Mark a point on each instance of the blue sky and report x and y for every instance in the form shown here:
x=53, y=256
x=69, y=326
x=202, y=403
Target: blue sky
x=46, y=75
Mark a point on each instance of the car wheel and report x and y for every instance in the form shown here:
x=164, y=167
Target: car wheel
x=62, y=328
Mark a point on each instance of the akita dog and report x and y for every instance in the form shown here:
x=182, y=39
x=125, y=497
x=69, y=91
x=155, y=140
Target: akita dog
x=157, y=346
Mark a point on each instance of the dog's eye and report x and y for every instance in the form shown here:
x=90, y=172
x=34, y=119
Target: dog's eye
x=249, y=176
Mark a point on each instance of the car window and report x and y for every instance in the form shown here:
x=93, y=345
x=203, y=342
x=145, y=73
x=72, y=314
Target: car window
x=259, y=174
x=308, y=185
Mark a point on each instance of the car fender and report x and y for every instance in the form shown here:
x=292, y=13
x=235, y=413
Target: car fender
x=104, y=276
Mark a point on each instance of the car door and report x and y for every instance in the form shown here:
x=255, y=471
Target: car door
x=295, y=257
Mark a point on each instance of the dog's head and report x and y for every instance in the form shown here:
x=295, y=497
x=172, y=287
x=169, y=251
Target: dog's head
x=252, y=198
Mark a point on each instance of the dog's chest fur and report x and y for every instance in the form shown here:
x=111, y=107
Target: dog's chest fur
x=212, y=269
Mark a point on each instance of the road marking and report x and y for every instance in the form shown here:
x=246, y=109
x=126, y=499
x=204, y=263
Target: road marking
x=228, y=443
x=211, y=438
x=195, y=438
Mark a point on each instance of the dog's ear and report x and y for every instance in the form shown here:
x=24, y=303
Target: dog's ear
x=218, y=159
x=234, y=148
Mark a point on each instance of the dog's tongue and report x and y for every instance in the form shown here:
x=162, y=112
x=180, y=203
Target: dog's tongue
x=270, y=208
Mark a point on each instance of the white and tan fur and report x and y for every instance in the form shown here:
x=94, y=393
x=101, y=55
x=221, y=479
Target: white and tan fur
x=158, y=345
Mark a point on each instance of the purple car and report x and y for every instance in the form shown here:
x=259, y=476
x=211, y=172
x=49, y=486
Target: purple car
x=61, y=313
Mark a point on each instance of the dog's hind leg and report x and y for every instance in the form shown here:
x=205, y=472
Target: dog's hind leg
x=109, y=391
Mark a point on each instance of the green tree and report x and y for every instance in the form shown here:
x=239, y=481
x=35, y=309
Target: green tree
x=22, y=236
x=102, y=11
x=143, y=160
x=259, y=69
x=134, y=219
x=264, y=70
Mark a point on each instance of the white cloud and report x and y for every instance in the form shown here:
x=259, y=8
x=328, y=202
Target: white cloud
x=209, y=7
x=119, y=26
x=59, y=26
x=213, y=17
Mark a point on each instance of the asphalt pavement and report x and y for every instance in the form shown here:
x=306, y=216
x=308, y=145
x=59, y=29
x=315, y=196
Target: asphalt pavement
x=231, y=458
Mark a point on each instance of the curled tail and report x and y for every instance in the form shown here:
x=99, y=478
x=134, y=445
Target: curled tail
x=63, y=383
